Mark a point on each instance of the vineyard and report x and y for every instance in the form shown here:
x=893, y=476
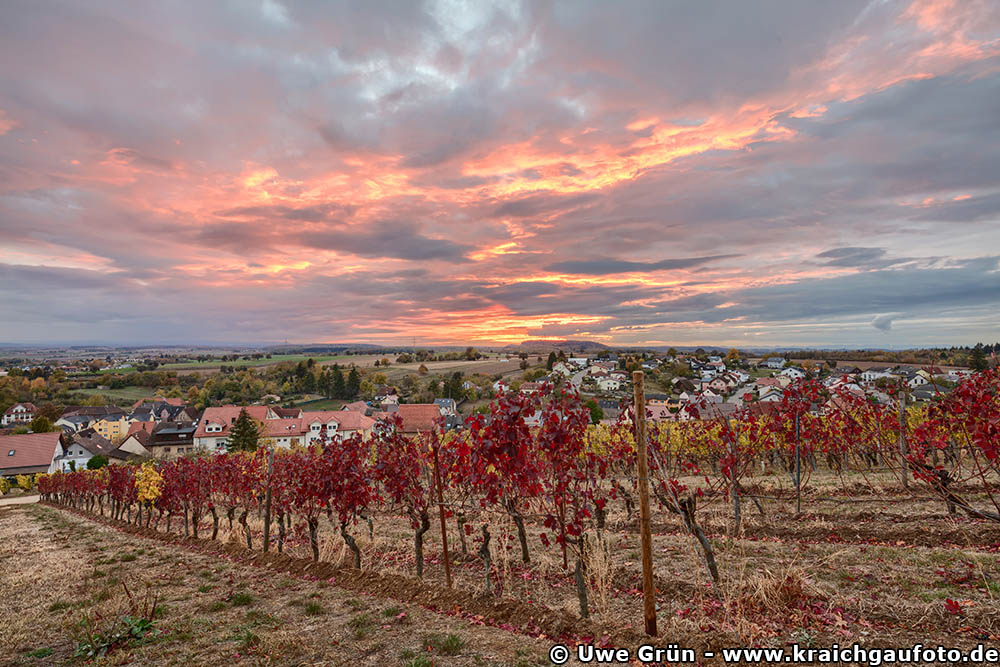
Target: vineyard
x=770, y=522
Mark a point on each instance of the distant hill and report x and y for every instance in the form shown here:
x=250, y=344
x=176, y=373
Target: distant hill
x=546, y=346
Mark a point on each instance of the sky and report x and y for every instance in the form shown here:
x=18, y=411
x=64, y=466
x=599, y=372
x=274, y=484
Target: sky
x=760, y=173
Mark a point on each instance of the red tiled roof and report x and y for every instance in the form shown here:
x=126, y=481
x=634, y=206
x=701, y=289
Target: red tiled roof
x=30, y=450
x=225, y=416
x=140, y=426
x=418, y=417
x=356, y=406
x=283, y=428
x=347, y=420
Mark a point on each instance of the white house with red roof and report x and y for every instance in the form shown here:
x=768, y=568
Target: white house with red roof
x=212, y=433
x=19, y=413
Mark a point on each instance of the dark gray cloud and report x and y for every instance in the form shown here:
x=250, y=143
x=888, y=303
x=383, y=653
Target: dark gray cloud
x=388, y=238
x=606, y=266
x=824, y=166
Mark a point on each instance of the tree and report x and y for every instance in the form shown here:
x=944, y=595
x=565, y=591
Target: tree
x=672, y=352
x=422, y=370
x=551, y=361
x=977, y=361
x=97, y=462
x=596, y=413
x=337, y=386
x=244, y=434
x=41, y=424
x=353, y=383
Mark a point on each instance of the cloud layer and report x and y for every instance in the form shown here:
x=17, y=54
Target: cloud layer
x=672, y=172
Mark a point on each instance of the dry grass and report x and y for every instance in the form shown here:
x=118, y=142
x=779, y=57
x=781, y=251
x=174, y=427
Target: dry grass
x=213, y=611
x=856, y=566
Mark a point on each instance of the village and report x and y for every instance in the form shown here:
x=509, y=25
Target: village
x=702, y=386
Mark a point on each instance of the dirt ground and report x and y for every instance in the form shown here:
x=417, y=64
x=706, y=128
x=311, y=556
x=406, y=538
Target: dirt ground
x=57, y=568
x=864, y=562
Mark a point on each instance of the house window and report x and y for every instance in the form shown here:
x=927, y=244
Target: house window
x=10, y=453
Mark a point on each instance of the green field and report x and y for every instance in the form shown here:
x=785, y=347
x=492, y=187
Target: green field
x=322, y=404
x=130, y=394
x=250, y=363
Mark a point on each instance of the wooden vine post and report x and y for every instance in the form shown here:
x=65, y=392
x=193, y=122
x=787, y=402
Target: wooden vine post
x=267, y=501
x=903, y=449
x=798, y=466
x=444, y=529
x=648, y=593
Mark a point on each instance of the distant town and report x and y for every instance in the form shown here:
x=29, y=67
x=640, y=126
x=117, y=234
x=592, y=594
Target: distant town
x=63, y=411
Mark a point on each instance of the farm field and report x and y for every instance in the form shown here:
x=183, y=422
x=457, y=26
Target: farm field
x=876, y=567
x=252, y=363
x=123, y=395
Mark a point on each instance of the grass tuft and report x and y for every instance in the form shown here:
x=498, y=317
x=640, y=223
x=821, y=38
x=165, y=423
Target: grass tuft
x=450, y=644
x=241, y=600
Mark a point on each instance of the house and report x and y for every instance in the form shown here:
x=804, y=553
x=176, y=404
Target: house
x=385, y=394
x=579, y=362
x=114, y=430
x=77, y=451
x=501, y=386
x=563, y=369
x=29, y=453
x=917, y=380
x=356, y=406
x=418, y=417
x=530, y=387
x=611, y=409
x=136, y=443
x=794, y=372
x=212, y=433
x=659, y=413
x=682, y=384
x=19, y=413
x=336, y=424
x=157, y=411
x=874, y=373
x=709, y=396
x=287, y=432
x=774, y=362
x=719, y=385
x=170, y=439
x=74, y=423
x=448, y=406
x=609, y=384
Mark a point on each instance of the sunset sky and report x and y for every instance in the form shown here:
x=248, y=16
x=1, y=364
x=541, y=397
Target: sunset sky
x=750, y=173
